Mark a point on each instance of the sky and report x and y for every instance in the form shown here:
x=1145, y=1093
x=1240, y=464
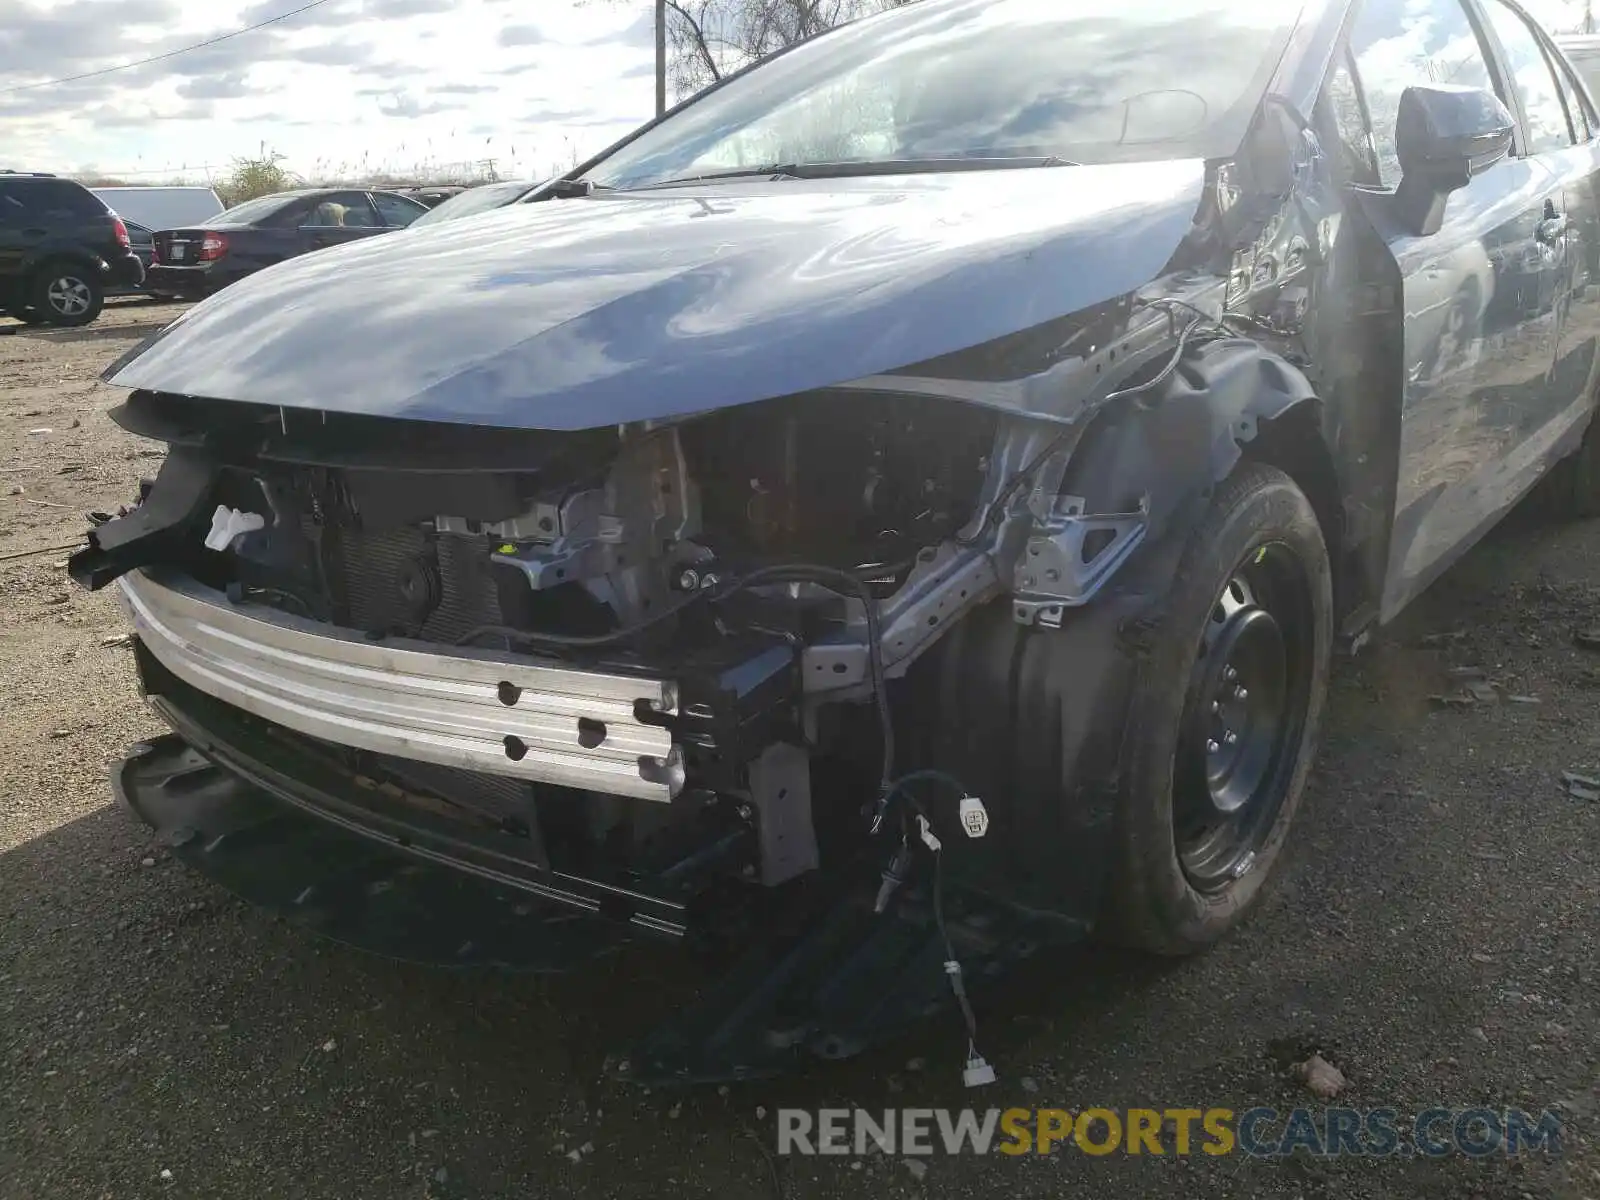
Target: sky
x=347, y=87
x=350, y=87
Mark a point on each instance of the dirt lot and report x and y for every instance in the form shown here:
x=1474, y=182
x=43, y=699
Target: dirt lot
x=1434, y=934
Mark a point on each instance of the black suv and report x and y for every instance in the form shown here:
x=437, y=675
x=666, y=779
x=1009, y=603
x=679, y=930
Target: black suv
x=60, y=249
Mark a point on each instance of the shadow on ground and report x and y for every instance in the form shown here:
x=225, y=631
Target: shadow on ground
x=124, y=331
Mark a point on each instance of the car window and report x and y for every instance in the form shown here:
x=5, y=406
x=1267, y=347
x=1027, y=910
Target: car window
x=1578, y=105
x=263, y=210
x=1547, y=127
x=64, y=196
x=42, y=198
x=11, y=205
x=288, y=216
x=1344, y=121
x=1400, y=43
x=1091, y=81
x=397, y=210
x=1586, y=102
x=1586, y=65
x=343, y=210
x=1584, y=93
x=1569, y=100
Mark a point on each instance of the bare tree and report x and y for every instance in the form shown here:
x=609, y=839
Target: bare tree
x=710, y=38
x=707, y=39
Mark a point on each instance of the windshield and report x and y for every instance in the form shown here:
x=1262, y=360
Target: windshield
x=249, y=212
x=1087, y=81
x=474, y=200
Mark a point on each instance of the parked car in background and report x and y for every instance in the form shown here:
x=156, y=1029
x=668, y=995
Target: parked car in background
x=199, y=259
x=61, y=250
x=432, y=196
x=141, y=240
x=476, y=200
x=161, y=207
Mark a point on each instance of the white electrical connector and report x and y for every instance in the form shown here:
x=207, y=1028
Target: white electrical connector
x=977, y=1072
x=228, y=523
x=974, y=817
x=925, y=831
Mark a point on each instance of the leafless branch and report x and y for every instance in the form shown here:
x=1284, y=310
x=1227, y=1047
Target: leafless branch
x=708, y=39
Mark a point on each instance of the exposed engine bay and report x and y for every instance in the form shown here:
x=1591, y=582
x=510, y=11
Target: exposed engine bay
x=617, y=532
x=772, y=566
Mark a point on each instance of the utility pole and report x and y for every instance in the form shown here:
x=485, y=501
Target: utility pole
x=661, y=57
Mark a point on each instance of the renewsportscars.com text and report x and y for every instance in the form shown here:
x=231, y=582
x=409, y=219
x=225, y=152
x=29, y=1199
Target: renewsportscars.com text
x=1256, y=1132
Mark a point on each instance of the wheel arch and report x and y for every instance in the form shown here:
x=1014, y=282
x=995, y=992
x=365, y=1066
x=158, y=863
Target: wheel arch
x=1038, y=717
x=1233, y=399
x=62, y=254
x=1294, y=442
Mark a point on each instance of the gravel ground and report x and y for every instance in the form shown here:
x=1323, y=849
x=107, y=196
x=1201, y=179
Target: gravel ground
x=1433, y=934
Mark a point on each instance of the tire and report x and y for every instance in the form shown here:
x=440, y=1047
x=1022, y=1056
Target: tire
x=1571, y=491
x=1253, y=575
x=66, y=295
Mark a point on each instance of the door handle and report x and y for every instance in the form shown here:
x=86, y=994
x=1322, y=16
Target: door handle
x=1552, y=229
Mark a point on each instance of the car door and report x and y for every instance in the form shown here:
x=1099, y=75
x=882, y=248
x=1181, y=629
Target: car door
x=1479, y=298
x=339, y=217
x=1559, y=138
x=1560, y=120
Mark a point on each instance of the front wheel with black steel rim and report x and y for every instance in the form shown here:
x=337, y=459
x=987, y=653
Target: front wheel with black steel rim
x=1224, y=719
x=67, y=294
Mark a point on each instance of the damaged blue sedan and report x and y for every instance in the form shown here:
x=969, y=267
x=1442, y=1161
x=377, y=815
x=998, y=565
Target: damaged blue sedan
x=887, y=517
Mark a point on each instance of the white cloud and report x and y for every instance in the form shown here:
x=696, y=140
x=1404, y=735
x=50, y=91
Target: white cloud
x=351, y=85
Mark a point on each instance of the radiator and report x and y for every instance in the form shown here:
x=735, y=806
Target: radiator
x=371, y=567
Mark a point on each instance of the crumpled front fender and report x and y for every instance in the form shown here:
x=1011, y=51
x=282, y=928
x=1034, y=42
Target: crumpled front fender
x=1170, y=449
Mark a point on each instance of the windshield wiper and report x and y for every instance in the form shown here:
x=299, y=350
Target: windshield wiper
x=921, y=166
x=776, y=171
x=850, y=169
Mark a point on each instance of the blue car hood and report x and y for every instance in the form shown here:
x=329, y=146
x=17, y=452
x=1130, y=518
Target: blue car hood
x=572, y=314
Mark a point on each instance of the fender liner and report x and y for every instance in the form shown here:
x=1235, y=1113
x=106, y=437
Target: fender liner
x=1036, y=719
x=1033, y=719
x=1169, y=448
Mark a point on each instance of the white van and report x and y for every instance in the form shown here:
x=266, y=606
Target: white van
x=158, y=208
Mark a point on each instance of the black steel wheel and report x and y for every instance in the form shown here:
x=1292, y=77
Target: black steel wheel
x=1249, y=698
x=1224, y=717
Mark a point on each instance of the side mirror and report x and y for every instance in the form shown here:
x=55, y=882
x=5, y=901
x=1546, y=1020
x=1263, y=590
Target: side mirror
x=1444, y=136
